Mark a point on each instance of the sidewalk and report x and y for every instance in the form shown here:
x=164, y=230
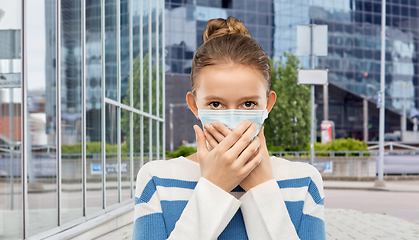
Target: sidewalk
x=345, y=224
x=392, y=186
x=341, y=224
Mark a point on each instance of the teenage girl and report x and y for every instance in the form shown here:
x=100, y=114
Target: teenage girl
x=231, y=188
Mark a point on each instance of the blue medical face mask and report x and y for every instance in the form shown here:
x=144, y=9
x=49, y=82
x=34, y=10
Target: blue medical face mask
x=233, y=117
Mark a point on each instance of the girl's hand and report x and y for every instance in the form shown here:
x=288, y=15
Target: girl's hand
x=232, y=160
x=217, y=132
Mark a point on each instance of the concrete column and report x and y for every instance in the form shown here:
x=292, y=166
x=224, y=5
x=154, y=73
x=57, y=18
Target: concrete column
x=325, y=102
x=365, y=119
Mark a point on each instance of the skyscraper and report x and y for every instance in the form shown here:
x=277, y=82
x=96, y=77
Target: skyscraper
x=353, y=57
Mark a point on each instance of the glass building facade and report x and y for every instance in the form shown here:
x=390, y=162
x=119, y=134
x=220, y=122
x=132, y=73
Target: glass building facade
x=353, y=61
x=81, y=109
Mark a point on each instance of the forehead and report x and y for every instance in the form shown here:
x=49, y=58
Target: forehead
x=230, y=80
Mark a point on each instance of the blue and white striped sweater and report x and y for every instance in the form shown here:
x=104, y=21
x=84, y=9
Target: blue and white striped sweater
x=173, y=202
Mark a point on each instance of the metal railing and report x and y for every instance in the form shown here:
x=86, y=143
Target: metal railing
x=406, y=150
x=321, y=153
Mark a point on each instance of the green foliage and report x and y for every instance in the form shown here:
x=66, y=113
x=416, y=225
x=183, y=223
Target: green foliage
x=272, y=148
x=72, y=149
x=181, y=151
x=340, y=144
x=93, y=147
x=288, y=125
x=125, y=118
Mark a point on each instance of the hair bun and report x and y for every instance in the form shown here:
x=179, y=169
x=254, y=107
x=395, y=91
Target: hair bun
x=218, y=27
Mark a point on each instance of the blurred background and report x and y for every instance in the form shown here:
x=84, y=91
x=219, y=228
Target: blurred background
x=90, y=90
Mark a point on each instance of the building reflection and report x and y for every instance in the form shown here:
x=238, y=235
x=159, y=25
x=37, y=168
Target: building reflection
x=353, y=60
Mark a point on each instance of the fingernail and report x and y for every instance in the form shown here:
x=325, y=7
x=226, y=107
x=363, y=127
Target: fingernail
x=207, y=125
x=215, y=125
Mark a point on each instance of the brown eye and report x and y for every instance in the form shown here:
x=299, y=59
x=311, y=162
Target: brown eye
x=215, y=104
x=249, y=104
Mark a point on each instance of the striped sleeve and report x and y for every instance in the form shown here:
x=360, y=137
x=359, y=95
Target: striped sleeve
x=278, y=210
x=148, y=215
x=265, y=213
x=206, y=214
x=312, y=220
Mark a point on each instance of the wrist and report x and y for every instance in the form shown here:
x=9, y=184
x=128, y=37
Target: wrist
x=249, y=185
x=219, y=184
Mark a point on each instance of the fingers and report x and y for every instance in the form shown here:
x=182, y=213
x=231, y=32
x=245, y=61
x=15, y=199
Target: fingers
x=221, y=128
x=211, y=140
x=250, y=152
x=235, y=135
x=215, y=133
x=254, y=162
x=243, y=141
x=200, y=141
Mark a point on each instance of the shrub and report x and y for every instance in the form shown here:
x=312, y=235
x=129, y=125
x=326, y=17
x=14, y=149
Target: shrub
x=93, y=147
x=181, y=151
x=340, y=144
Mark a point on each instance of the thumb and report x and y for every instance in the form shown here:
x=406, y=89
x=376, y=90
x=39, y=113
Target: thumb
x=262, y=136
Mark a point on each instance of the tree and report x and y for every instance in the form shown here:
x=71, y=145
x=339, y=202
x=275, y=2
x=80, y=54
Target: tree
x=125, y=119
x=288, y=125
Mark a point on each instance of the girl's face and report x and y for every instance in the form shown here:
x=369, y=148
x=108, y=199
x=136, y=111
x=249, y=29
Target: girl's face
x=230, y=86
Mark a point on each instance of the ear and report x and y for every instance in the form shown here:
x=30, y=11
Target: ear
x=271, y=101
x=190, y=99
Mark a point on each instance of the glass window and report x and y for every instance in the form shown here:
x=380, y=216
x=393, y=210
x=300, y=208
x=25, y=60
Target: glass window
x=125, y=48
x=113, y=134
x=147, y=139
x=94, y=109
x=111, y=69
x=125, y=155
x=146, y=58
x=154, y=49
x=161, y=57
x=395, y=9
x=11, y=226
x=251, y=6
x=251, y=18
x=111, y=155
x=413, y=12
x=71, y=111
x=41, y=119
x=136, y=61
x=137, y=132
x=161, y=139
x=155, y=142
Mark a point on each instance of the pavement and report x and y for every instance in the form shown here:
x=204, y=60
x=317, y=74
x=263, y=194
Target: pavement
x=391, y=186
x=345, y=223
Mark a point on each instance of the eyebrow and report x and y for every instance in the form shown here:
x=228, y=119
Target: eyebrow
x=254, y=97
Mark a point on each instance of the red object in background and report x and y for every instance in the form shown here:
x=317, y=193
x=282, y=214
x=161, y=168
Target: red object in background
x=328, y=131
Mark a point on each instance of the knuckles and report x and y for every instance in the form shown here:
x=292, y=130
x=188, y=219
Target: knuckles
x=236, y=134
x=229, y=158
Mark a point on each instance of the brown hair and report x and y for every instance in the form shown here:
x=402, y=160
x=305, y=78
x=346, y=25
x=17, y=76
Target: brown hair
x=229, y=41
